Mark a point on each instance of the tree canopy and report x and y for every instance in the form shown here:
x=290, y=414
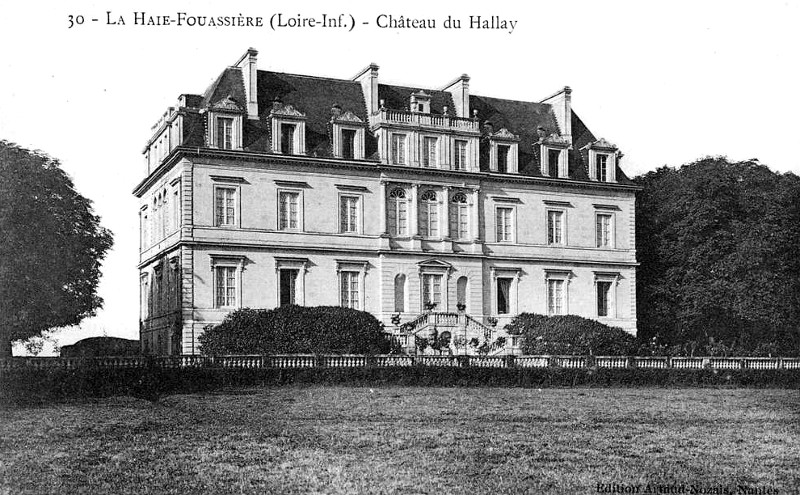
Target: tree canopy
x=718, y=244
x=51, y=249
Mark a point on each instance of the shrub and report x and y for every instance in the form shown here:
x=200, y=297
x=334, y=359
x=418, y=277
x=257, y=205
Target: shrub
x=571, y=335
x=296, y=329
x=101, y=346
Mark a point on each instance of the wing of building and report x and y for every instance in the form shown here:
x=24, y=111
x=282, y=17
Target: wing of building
x=437, y=205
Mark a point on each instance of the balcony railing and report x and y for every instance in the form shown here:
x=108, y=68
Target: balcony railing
x=384, y=115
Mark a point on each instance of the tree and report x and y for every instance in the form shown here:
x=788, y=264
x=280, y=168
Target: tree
x=51, y=249
x=718, y=243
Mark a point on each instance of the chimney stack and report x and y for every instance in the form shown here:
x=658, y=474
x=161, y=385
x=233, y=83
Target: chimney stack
x=250, y=76
x=459, y=90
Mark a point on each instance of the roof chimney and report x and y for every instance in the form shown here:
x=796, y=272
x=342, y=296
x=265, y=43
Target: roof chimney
x=562, y=108
x=368, y=78
x=250, y=76
x=459, y=90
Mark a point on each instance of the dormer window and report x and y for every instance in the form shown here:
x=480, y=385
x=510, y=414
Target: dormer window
x=288, y=129
x=225, y=125
x=601, y=158
x=224, y=133
x=503, y=151
x=287, y=138
x=348, y=143
x=553, y=152
x=601, y=166
x=502, y=157
x=420, y=102
x=347, y=130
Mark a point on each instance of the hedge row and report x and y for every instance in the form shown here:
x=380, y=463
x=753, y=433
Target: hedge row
x=30, y=386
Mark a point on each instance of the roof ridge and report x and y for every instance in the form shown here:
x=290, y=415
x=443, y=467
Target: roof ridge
x=308, y=76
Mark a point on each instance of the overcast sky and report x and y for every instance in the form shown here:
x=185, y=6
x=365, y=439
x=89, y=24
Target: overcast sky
x=668, y=82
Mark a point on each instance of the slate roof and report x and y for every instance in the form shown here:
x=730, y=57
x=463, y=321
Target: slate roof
x=315, y=96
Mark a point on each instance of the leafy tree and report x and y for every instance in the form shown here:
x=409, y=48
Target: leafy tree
x=51, y=249
x=718, y=243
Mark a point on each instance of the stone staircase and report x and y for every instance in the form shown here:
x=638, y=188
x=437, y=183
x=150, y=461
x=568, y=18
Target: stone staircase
x=458, y=324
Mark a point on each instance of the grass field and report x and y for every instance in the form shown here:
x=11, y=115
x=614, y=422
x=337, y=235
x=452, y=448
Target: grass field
x=408, y=440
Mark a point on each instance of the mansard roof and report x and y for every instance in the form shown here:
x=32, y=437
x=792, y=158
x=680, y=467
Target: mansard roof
x=228, y=86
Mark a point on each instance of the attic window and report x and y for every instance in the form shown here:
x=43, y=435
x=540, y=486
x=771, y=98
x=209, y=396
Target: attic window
x=348, y=143
x=502, y=157
x=224, y=133
x=287, y=138
x=601, y=167
x=553, y=157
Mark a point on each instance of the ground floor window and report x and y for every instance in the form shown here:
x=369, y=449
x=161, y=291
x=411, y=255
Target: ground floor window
x=225, y=286
x=350, y=289
x=432, y=290
x=555, y=297
x=504, y=295
x=288, y=287
x=603, y=299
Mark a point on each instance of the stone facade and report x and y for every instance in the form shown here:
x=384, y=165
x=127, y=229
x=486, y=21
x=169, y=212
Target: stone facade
x=274, y=188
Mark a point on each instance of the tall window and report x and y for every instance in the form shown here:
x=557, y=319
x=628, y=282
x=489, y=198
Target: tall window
x=397, y=212
x=504, y=296
x=429, y=151
x=504, y=224
x=288, y=210
x=144, y=296
x=555, y=297
x=225, y=206
x=348, y=214
x=224, y=133
x=601, y=164
x=349, y=289
x=552, y=162
x=348, y=143
x=603, y=292
x=429, y=214
x=225, y=294
x=288, y=282
x=460, y=155
x=432, y=289
x=287, y=138
x=555, y=227
x=145, y=231
x=502, y=157
x=603, y=230
x=461, y=290
x=459, y=216
x=399, y=149
x=400, y=293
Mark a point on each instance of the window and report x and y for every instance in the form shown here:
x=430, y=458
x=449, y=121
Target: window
x=144, y=295
x=603, y=230
x=504, y=296
x=397, y=211
x=555, y=297
x=350, y=289
x=504, y=224
x=432, y=290
x=224, y=133
x=225, y=293
x=225, y=206
x=400, y=293
x=603, y=299
x=176, y=209
x=460, y=155
x=502, y=157
x=348, y=143
x=429, y=214
x=288, y=286
x=288, y=207
x=145, y=229
x=553, y=157
x=287, y=138
x=348, y=214
x=429, y=151
x=601, y=167
x=461, y=291
x=459, y=216
x=399, y=149
x=555, y=227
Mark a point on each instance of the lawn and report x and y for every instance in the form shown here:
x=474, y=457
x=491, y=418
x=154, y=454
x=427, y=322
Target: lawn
x=408, y=440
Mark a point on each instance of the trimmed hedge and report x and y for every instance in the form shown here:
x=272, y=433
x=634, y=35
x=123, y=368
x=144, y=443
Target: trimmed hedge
x=296, y=330
x=569, y=335
x=32, y=386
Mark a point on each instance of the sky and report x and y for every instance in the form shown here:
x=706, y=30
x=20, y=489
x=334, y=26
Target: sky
x=667, y=82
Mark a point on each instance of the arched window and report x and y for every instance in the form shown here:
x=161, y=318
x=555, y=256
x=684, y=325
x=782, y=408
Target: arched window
x=397, y=211
x=461, y=291
x=400, y=293
x=429, y=214
x=459, y=216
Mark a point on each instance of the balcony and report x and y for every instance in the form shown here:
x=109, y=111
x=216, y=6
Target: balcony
x=386, y=116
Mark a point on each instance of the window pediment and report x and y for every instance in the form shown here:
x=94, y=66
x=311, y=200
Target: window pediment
x=434, y=265
x=505, y=135
x=601, y=145
x=556, y=141
x=227, y=105
x=286, y=111
x=347, y=117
